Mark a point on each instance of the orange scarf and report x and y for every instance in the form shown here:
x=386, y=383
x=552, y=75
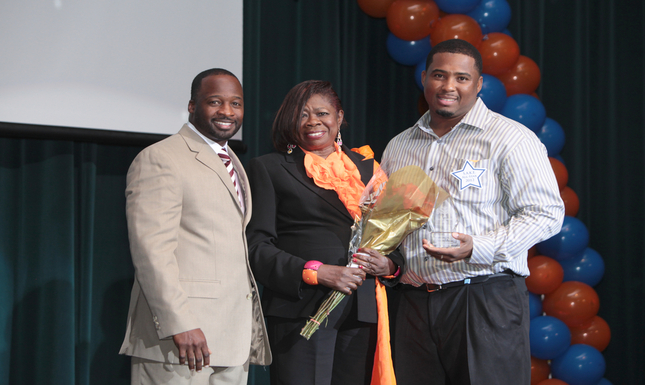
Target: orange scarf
x=337, y=173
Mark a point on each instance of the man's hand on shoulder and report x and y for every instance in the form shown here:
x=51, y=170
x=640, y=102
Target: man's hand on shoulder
x=193, y=349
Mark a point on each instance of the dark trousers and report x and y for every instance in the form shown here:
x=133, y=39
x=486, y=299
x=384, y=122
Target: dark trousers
x=341, y=352
x=474, y=334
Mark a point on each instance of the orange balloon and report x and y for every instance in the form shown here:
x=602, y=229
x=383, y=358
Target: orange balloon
x=375, y=8
x=573, y=302
x=540, y=370
x=499, y=52
x=552, y=381
x=522, y=78
x=560, y=171
x=571, y=201
x=411, y=19
x=595, y=333
x=456, y=26
x=546, y=275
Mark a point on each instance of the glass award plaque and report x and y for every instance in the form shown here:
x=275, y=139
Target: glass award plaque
x=444, y=221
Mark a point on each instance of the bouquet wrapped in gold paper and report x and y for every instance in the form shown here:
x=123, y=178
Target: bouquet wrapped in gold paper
x=391, y=209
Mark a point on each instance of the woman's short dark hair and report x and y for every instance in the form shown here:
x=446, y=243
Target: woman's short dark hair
x=286, y=125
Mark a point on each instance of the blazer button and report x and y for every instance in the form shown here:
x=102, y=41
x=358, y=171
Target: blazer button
x=249, y=296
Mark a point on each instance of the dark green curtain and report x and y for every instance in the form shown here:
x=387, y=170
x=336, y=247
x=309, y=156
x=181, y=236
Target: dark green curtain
x=65, y=273
x=65, y=269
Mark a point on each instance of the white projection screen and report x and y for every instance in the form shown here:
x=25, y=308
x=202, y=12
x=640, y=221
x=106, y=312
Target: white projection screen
x=123, y=65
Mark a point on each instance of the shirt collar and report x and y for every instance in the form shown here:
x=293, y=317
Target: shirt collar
x=214, y=145
x=477, y=117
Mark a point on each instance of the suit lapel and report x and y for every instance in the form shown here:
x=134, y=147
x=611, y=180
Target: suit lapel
x=364, y=166
x=205, y=155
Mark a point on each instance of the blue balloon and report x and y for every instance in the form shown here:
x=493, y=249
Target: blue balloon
x=604, y=381
x=407, y=52
x=507, y=32
x=535, y=305
x=568, y=243
x=549, y=337
x=417, y=73
x=493, y=93
x=492, y=15
x=552, y=136
x=580, y=365
x=457, y=6
x=587, y=267
x=525, y=109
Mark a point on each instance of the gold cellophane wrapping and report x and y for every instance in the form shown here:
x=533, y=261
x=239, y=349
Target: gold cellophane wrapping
x=404, y=204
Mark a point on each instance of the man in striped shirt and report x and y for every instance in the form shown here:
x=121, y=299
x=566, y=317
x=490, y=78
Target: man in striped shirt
x=461, y=315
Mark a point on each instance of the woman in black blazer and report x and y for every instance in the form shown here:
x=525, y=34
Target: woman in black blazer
x=296, y=225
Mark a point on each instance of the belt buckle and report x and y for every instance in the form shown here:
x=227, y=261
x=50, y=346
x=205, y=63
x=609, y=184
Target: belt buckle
x=429, y=290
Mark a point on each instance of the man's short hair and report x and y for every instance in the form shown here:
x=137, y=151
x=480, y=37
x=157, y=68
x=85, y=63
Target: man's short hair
x=456, y=46
x=197, y=82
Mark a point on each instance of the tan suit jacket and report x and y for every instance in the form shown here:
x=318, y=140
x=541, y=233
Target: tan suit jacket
x=187, y=241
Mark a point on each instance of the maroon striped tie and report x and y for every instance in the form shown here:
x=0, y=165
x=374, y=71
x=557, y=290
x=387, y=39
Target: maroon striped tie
x=231, y=171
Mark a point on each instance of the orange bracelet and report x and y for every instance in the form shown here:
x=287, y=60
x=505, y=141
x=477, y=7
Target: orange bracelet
x=310, y=276
x=396, y=274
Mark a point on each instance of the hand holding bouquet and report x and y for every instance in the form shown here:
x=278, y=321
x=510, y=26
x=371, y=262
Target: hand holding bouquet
x=391, y=209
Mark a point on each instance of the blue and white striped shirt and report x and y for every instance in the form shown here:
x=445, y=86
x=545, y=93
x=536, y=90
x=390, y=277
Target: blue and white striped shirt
x=507, y=208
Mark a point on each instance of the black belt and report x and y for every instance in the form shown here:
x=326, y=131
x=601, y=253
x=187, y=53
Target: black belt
x=431, y=287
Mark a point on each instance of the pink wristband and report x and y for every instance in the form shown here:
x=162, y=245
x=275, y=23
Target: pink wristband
x=313, y=265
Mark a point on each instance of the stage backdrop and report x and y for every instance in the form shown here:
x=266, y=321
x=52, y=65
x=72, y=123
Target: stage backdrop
x=65, y=270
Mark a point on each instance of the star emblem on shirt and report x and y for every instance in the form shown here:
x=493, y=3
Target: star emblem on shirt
x=469, y=176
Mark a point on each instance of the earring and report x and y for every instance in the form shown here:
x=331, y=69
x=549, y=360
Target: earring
x=290, y=148
x=339, y=140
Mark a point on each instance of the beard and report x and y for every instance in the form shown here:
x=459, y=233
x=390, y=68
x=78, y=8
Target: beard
x=217, y=135
x=445, y=114
x=210, y=130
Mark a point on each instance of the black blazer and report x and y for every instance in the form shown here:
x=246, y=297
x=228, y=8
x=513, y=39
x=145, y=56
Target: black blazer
x=295, y=221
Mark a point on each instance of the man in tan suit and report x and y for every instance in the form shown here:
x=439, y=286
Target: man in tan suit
x=195, y=315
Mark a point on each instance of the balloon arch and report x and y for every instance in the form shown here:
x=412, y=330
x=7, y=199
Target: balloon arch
x=566, y=334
